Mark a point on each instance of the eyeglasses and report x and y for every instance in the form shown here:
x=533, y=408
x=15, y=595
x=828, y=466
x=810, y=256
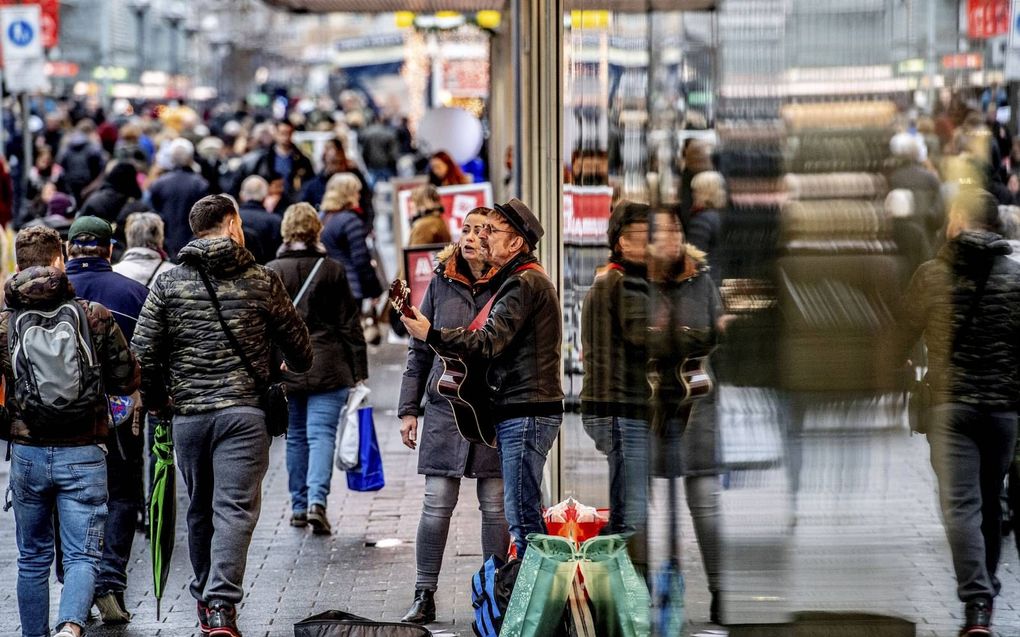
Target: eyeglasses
x=489, y=229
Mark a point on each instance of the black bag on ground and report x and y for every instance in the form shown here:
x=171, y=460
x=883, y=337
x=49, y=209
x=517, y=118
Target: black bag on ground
x=491, y=588
x=337, y=623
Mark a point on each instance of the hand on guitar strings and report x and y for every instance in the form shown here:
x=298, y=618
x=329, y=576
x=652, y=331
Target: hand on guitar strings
x=418, y=327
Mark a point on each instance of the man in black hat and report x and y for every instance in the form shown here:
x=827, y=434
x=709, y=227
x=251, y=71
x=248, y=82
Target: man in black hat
x=520, y=341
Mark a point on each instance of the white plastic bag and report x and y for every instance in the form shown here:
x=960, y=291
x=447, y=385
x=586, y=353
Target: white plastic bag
x=347, y=428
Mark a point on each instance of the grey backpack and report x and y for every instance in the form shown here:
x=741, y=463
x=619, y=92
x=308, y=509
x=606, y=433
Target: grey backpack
x=57, y=378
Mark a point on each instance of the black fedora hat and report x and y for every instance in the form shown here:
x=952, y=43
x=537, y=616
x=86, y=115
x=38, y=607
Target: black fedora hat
x=518, y=215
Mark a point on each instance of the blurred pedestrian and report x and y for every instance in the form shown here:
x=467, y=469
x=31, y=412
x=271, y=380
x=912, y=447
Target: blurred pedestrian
x=174, y=193
x=964, y=304
x=318, y=286
x=82, y=158
x=89, y=250
x=119, y=187
x=59, y=214
x=284, y=162
x=57, y=461
x=380, y=150
x=334, y=161
x=443, y=171
x=428, y=225
x=344, y=234
x=912, y=175
x=145, y=258
x=219, y=427
x=261, y=228
x=704, y=230
x=456, y=294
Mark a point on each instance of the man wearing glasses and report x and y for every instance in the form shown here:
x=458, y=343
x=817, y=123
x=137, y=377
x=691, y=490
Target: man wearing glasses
x=520, y=339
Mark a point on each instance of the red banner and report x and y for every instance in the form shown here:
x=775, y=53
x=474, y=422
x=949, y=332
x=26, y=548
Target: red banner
x=586, y=214
x=419, y=268
x=987, y=18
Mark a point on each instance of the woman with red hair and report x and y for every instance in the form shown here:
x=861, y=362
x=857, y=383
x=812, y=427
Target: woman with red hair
x=443, y=171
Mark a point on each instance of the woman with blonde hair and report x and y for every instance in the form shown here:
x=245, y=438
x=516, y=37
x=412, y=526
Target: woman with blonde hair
x=428, y=225
x=708, y=193
x=344, y=234
x=318, y=286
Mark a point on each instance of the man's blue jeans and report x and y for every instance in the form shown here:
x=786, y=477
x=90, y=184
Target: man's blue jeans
x=523, y=444
x=72, y=482
x=311, y=442
x=625, y=443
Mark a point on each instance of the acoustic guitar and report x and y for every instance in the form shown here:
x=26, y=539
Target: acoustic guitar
x=462, y=384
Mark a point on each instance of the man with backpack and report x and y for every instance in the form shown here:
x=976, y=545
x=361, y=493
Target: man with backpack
x=60, y=357
x=205, y=340
x=89, y=249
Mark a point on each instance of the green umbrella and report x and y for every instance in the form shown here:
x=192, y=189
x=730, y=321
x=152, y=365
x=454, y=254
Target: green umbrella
x=162, y=509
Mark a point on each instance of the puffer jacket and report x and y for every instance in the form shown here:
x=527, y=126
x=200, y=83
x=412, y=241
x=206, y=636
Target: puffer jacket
x=332, y=316
x=614, y=325
x=520, y=341
x=344, y=235
x=982, y=368
x=452, y=299
x=44, y=288
x=180, y=343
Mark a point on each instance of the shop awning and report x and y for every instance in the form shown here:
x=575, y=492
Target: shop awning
x=467, y=6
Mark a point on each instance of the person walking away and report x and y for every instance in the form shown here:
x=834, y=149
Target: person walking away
x=380, y=150
x=82, y=159
x=190, y=367
x=965, y=304
x=344, y=235
x=521, y=342
x=261, y=228
x=58, y=456
x=334, y=161
x=428, y=225
x=318, y=286
x=174, y=193
x=120, y=186
x=88, y=269
x=145, y=258
x=912, y=174
x=704, y=230
x=456, y=294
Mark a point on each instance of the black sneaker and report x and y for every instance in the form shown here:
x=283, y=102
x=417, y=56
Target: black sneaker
x=299, y=520
x=318, y=521
x=222, y=619
x=978, y=619
x=203, y=618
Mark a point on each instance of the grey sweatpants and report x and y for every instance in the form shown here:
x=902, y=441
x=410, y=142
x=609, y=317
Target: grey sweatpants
x=223, y=456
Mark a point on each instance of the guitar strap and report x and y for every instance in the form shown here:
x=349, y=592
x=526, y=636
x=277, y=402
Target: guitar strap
x=483, y=315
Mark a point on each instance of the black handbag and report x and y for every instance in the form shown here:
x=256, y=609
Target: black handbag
x=272, y=396
x=336, y=623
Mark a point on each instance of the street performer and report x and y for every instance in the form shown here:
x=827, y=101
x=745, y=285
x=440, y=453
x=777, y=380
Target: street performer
x=520, y=342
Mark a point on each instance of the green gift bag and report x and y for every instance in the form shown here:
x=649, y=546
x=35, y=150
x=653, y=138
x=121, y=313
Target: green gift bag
x=619, y=595
x=543, y=585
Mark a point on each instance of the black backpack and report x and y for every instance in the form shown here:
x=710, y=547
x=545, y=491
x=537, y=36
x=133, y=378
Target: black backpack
x=57, y=377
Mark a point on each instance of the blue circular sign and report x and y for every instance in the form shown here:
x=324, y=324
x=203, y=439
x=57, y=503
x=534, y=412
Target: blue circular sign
x=20, y=33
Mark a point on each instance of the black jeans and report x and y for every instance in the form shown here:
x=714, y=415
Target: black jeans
x=124, y=465
x=971, y=449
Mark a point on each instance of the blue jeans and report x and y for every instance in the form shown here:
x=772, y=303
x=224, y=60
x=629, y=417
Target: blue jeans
x=625, y=443
x=311, y=441
x=72, y=482
x=523, y=444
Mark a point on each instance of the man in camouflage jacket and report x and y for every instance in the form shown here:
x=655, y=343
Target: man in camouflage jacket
x=190, y=368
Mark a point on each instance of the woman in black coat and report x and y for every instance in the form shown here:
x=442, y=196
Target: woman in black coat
x=120, y=187
x=456, y=294
x=323, y=298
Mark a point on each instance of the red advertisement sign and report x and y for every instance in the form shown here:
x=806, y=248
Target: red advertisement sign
x=419, y=268
x=987, y=18
x=457, y=202
x=586, y=214
x=963, y=61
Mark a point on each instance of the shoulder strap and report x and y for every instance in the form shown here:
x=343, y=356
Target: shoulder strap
x=155, y=271
x=308, y=280
x=229, y=333
x=483, y=315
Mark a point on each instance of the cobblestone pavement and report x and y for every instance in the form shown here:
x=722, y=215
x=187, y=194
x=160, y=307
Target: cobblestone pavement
x=863, y=535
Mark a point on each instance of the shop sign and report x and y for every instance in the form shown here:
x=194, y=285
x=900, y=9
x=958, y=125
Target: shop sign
x=586, y=212
x=457, y=201
x=963, y=61
x=60, y=68
x=419, y=268
x=987, y=18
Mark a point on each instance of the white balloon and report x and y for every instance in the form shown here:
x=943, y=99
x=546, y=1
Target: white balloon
x=454, y=130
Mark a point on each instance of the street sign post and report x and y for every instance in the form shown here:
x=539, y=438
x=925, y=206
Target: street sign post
x=21, y=40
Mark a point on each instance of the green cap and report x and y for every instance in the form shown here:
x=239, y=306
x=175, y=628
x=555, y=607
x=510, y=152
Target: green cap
x=98, y=230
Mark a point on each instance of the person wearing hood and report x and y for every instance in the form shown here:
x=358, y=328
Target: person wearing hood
x=59, y=468
x=120, y=186
x=190, y=370
x=455, y=295
x=82, y=159
x=323, y=298
x=174, y=193
x=965, y=304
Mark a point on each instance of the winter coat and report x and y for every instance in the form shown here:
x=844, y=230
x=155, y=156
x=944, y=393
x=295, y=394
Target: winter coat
x=172, y=195
x=704, y=230
x=315, y=189
x=142, y=265
x=264, y=228
x=451, y=300
x=614, y=326
x=982, y=369
x=301, y=169
x=94, y=280
x=182, y=348
x=344, y=235
x=120, y=186
x=927, y=190
x=44, y=288
x=427, y=229
x=82, y=162
x=521, y=342
x=332, y=316
x=682, y=318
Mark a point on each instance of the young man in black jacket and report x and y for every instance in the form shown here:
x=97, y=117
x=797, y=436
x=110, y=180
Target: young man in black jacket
x=966, y=303
x=520, y=341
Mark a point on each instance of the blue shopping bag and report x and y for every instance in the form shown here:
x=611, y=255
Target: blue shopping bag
x=368, y=475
